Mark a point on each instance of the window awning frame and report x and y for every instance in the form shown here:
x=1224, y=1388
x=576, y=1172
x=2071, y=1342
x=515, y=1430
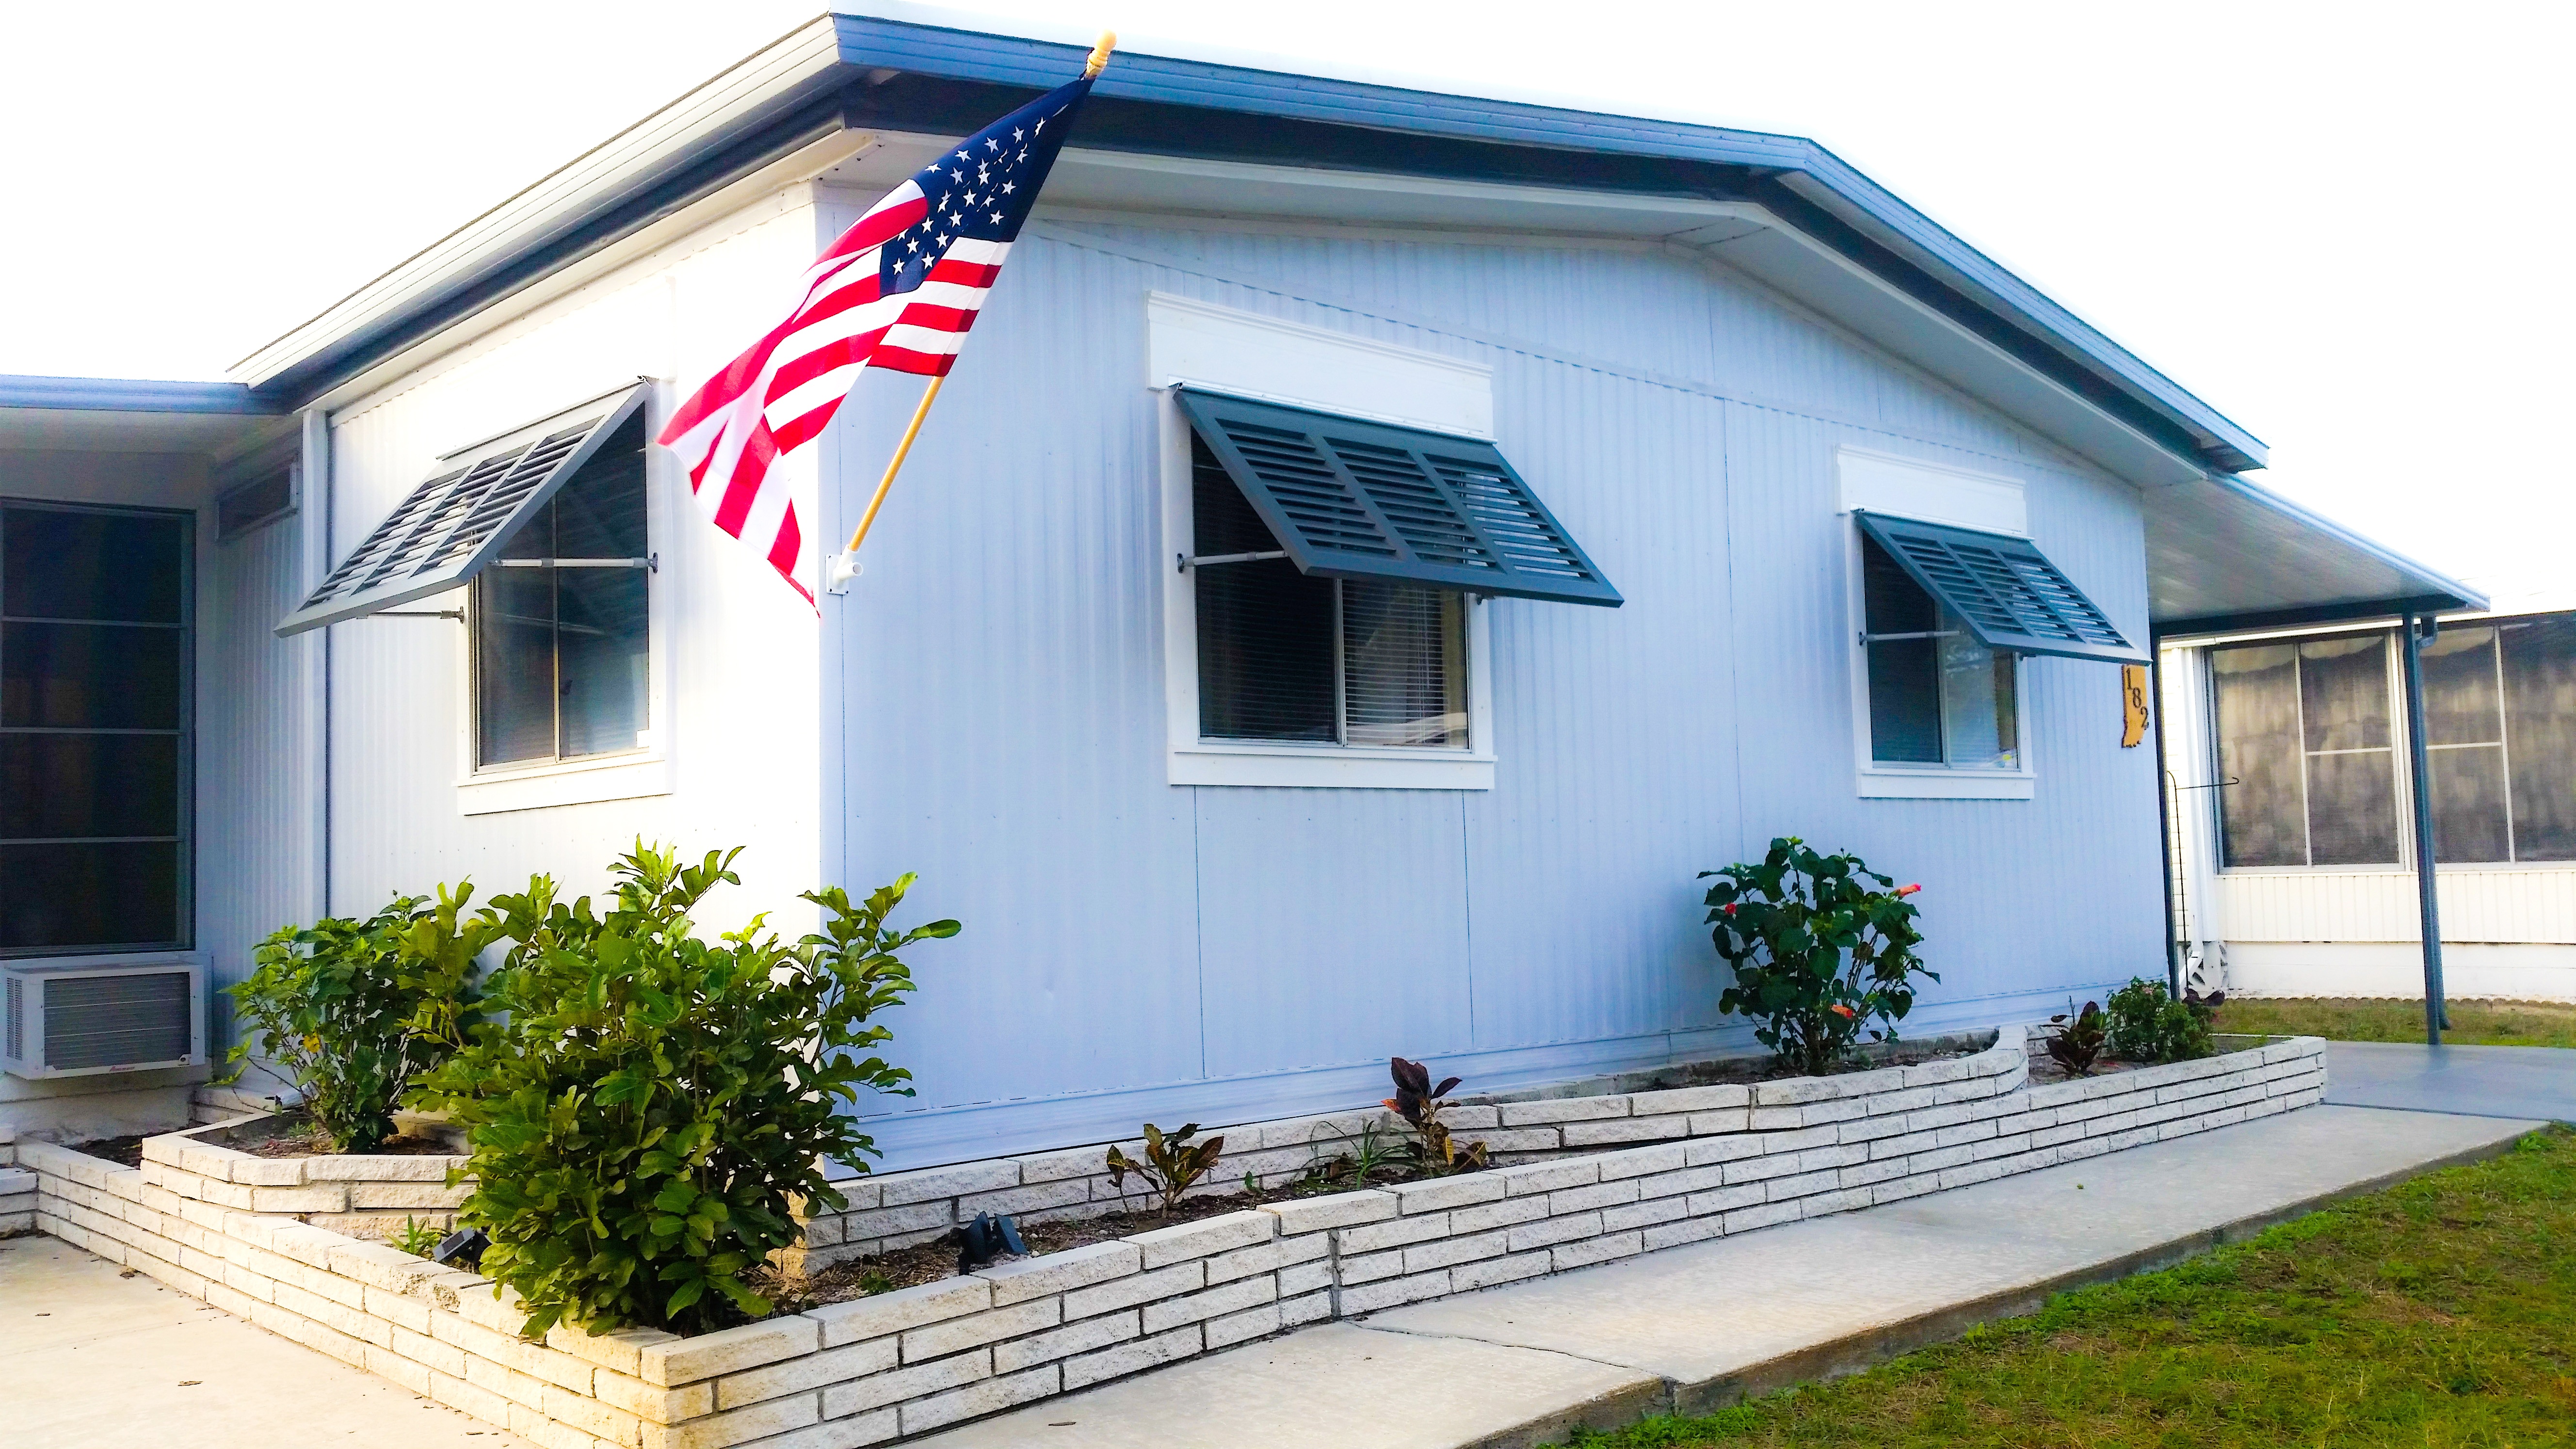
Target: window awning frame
x=454, y=524
x=1351, y=498
x=2008, y=593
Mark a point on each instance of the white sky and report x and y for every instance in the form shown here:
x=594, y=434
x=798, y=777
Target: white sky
x=2343, y=226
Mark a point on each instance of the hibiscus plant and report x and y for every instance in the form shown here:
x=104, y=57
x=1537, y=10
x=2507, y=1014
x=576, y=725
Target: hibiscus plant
x=1823, y=950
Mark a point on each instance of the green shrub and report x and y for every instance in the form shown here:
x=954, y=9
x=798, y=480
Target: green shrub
x=2149, y=1026
x=351, y=1011
x=1819, y=956
x=643, y=1125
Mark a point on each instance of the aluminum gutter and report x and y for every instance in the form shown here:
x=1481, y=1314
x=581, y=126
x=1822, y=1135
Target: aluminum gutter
x=126, y=395
x=855, y=70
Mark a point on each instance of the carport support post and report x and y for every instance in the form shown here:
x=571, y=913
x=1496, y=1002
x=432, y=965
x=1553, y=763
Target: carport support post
x=2421, y=787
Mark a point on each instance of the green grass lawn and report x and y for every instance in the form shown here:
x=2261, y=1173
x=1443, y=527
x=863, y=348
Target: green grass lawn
x=2439, y=1313
x=2473, y=1023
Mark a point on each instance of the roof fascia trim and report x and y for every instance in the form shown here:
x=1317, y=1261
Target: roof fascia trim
x=129, y=395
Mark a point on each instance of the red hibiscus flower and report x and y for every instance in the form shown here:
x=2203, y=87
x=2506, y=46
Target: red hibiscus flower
x=1845, y=1012
x=1907, y=890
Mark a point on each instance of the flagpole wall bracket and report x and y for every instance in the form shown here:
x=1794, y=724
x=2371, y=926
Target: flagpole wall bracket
x=839, y=570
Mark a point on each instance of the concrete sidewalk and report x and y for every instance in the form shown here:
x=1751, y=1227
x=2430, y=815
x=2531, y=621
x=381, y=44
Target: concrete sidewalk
x=1694, y=1327
x=94, y=1358
x=2480, y=1081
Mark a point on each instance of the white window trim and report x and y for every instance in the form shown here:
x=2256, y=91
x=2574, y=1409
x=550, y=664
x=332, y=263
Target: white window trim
x=591, y=779
x=1194, y=761
x=1931, y=493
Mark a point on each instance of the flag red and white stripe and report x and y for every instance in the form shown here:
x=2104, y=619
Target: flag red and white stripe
x=898, y=290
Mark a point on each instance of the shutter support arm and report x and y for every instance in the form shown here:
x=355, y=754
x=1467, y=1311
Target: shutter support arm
x=1187, y=562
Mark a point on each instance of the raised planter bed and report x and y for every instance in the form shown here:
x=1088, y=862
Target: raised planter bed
x=1713, y=1160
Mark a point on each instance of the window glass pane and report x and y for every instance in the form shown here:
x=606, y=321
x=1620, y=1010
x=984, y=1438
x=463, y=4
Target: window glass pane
x=2254, y=691
x=57, y=564
x=2352, y=808
x=90, y=676
x=2540, y=735
x=514, y=664
x=2468, y=803
x=1404, y=667
x=2461, y=706
x=1976, y=699
x=1904, y=674
x=53, y=786
x=2343, y=692
x=1265, y=630
x=601, y=613
x=70, y=896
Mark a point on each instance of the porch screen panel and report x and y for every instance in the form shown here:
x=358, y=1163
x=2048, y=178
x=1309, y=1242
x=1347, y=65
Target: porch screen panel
x=2352, y=761
x=2008, y=592
x=1351, y=499
x=2263, y=814
x=94, y=729
x=2464, y=737
x=448, y=528
x=2539, y=679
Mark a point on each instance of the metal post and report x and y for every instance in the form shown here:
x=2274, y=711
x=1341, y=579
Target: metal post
x=2167, y=855
x=2419, y=779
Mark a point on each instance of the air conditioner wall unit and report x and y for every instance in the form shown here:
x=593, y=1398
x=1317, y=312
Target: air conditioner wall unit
x=80, y=1021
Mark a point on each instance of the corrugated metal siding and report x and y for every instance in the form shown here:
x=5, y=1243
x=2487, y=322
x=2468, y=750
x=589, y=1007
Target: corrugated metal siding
x=1127, y=939
x=254, y=829
x=2532, y=905
x=743, y=737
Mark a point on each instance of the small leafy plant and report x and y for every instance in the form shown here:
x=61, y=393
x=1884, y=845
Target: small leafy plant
x=352, y=1011
x=2077, y=1041
x=2147, y=1025
x=1373, y=1156
x=1419, y=1103
x=1820, y=956
x=1171, y=1166
x=644, y=1120
x=416, y=1237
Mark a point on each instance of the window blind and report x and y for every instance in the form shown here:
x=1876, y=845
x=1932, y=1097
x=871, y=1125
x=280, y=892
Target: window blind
x=452, y=525
x=2008, y=592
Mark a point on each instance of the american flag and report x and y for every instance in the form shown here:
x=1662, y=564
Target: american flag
x=898, y=290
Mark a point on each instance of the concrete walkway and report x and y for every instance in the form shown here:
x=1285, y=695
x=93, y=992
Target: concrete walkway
x=91, y=1358
x=2483, y=1081
x=1699, y=1326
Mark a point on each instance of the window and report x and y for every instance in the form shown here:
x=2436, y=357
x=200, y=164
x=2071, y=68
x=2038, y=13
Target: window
x=1288, y=657
x=255, y=505
x=94, y=729
x=2310, y=732
x=1937, y=695
x=2306, y=729
x=560, y=619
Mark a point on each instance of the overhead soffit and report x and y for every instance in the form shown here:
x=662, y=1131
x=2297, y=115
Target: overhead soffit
x=83, y=430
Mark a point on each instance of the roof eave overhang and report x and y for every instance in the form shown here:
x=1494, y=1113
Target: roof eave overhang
x=841, y=73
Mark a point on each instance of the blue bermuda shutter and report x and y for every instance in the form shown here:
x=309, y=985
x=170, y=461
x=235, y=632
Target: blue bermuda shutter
x=2011, y=596
x=1360, y=500
x=454, y=524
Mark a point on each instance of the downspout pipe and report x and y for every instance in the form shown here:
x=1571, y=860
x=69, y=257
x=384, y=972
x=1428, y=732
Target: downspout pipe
x=2167, y=856
x=2419, y=778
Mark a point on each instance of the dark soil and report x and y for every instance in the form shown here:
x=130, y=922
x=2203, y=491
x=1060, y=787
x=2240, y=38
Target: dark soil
x=933, y=1261
x=123, y=1151
x=294, y=1135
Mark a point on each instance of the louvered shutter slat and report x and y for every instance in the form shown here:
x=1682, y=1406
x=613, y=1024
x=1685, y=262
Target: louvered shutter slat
x=1348, y=498
x=2010, y=595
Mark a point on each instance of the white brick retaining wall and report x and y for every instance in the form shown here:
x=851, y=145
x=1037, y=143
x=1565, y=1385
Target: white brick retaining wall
x=902, y=1363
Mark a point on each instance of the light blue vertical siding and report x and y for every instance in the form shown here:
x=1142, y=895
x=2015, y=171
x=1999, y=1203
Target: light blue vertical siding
x=1137, y=950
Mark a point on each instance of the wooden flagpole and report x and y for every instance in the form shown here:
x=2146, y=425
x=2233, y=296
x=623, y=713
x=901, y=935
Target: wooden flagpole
x=845, y=566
